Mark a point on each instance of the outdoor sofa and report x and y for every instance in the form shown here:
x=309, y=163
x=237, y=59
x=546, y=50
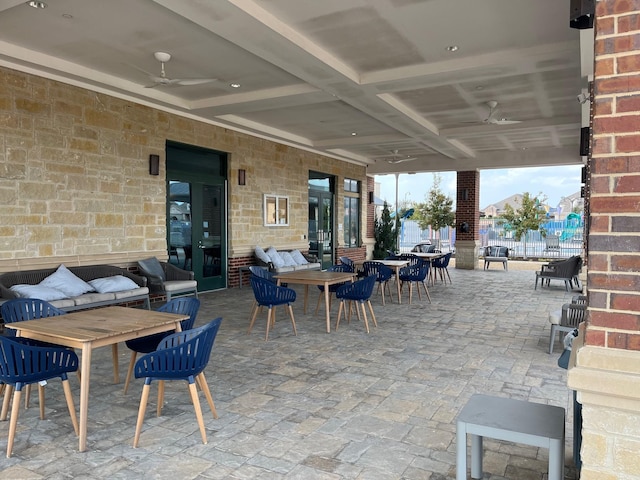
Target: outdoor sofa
x=285, y=260
x=496, y=253
x=76, y=288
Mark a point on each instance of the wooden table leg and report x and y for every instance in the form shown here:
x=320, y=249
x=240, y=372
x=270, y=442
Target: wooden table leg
x=84, y=395
x=327, y=296
x=398, y=284
x=306, y=297
x=116, y=367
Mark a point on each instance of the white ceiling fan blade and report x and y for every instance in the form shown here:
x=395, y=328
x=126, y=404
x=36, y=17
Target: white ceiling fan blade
x=194, y=81
x=400, y=160
x=504, y=121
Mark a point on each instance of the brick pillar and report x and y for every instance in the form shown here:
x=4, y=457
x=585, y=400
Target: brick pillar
x=467, y=216
x=607, y=375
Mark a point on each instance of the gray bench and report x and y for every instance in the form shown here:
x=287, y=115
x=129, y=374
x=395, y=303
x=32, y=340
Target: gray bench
x=511, y=420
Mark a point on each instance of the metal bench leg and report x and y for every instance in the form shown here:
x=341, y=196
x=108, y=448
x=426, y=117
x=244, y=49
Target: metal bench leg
x=476, y=456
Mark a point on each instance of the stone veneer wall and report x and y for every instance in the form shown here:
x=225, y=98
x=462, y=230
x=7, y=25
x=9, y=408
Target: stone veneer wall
x=607, y=375
x=75, y=185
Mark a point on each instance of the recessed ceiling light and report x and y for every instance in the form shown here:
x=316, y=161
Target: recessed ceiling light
x=68, y=16
x=37, y=4
x=452, y=48
x=354, y=133
x=479, y=87
x=234, y=85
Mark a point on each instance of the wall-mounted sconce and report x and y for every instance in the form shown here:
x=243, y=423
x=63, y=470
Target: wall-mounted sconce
x=465, y=194
x=464, y=227
x=242, y=177
x=154, y=164
x=370, y=197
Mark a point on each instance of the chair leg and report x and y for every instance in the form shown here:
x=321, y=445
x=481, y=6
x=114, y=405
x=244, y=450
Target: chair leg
x=318, y=304
x=364, y=313
x=196, y=406
x=253, y=318
x=293, y=322
x=132, y=363
x=160, y=397
x=411, y=292
x=383, y=302
x=373, y=315
x=202, y=382
x=143, y=406
x=13, y=422
x=72, y=409
x=41, y=400
x=426, y=290
x=269, y=313
x=8, y=392
x=339, y=313
x=446, y=270
x=27, y=396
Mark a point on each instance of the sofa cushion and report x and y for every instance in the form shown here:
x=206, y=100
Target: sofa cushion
x=38, y=291
x=298, y=257
x=288, y=259
x=275, y=257
x=152, y=267
x=67, y=282
x=261, y=255
x=89, y=298
x=131, y=293
x=116, y=283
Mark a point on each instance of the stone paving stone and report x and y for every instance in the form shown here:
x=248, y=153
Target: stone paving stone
x=344, y=405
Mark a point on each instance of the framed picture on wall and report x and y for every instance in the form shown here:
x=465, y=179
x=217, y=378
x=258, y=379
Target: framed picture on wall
x=276, y=210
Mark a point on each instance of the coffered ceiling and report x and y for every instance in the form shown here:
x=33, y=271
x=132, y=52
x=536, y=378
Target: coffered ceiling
x=365, y=81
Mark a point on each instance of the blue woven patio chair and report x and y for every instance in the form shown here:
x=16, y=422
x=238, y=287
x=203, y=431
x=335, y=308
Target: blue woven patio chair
x=383, y=275
x=440, y=266
x=332, y=288
x=348, y=262
x=360, y=292
x=413, y=259
x=182, y=305
x=22, y=364
x=415, y=274
x=22, y=309
x=270, y=295
x=180, y=356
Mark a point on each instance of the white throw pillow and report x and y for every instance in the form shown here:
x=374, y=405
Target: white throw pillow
x=116, y=283
x=288, y=259
x=65, y=281
x=47, y=294
x=259, y=252
x=298, y=257
x=275, y=257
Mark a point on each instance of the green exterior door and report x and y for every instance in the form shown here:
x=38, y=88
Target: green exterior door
x=196, y=212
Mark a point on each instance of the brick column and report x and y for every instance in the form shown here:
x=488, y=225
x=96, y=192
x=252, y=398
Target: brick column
x=467, y=217
x=607, y=375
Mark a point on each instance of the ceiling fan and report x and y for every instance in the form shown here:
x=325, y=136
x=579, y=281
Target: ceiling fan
x=397, y=158
x=163, y=80
x=493, y=117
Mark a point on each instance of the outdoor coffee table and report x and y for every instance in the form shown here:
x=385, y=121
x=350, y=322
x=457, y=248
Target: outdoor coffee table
x=89, y=329
x=316, y=277
x=516, y=421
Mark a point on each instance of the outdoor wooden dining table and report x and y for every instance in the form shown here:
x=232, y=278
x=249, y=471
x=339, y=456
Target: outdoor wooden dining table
x=395, y=265
x=430, y=257
x=316, y=277
x=89, y=329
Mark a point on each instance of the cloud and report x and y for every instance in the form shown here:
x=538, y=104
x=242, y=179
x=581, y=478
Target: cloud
x=495, y=185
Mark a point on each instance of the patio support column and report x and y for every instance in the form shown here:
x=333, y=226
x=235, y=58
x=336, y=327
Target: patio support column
x=607, y=372
x=467, y=219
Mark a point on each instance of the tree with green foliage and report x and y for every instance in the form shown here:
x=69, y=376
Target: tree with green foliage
x=385, y=234
x=437, y=211
x=529, y=216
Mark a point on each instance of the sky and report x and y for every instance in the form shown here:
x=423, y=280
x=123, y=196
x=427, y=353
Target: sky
x=495, y=185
